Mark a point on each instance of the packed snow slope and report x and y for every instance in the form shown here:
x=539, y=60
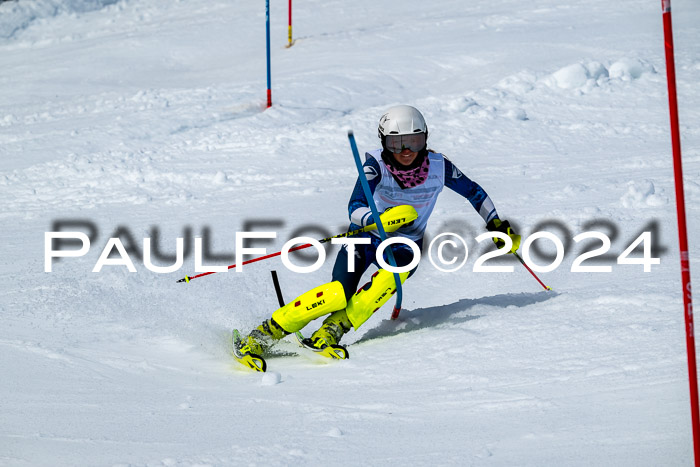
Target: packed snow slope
x=145, y=119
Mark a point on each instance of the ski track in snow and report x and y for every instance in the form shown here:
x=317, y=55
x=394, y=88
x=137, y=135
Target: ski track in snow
x=134, y=115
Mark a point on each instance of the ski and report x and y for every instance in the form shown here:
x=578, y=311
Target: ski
x=249, y=360
x=337, y=352
x=256, y=362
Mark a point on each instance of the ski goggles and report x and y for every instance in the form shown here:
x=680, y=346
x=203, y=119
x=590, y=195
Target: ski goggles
x=397, y=143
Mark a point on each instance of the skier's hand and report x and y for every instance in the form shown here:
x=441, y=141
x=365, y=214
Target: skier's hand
x=498, y=225
x=395, y=217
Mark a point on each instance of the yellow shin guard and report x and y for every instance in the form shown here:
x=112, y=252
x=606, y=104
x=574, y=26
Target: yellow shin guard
x=317, y=302
x=372, y=296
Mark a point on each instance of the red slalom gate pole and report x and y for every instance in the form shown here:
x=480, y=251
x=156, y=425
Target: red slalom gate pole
x=267, y=35
x=289, y=29
x=682, y=229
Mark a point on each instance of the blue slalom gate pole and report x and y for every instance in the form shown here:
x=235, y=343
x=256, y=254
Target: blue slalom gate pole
x=269, y=77
x=380, y=227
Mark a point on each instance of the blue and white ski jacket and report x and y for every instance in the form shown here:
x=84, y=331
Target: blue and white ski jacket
x=387, y=193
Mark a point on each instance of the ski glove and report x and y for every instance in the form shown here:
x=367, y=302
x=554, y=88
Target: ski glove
x=395, y=217
x=503, y=226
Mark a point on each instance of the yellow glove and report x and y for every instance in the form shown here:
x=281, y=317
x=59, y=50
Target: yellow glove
x=396, y=217
x=498, y=225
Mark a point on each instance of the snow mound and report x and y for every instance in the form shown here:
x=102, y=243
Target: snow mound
x=577, y=76
x=461, y=104
x=586, y=76
x=628, y=69
x=572, y=76
x=271, y=378
x=16, y=16
x=641, y=194
x=504, y=109
x=519, y=83
x=335, y=432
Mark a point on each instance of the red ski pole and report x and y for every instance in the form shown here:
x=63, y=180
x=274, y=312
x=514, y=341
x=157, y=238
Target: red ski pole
x=682, y=229
x=546, y=287
x=395, y=222
x=271, y=255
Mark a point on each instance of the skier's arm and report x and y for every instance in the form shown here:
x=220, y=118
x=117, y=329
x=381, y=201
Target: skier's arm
x=358, y=207
x=457, y=181
x=460, y=183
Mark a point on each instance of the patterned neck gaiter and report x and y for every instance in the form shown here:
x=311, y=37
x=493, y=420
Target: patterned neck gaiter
x=412, y=176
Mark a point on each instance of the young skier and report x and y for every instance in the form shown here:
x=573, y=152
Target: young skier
x=403, y=172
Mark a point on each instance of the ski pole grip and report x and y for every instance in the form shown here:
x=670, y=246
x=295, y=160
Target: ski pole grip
x=396, y=217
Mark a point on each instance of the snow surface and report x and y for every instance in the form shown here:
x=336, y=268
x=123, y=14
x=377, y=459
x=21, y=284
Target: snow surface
x=135, y=114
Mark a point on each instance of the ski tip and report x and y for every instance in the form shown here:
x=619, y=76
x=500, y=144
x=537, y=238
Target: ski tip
x=334, y=352
x=252, y=361
x=339, y=352
x=350, y=133
x=257, y=363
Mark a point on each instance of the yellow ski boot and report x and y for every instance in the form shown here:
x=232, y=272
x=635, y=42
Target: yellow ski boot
x=249, y=351
x=325, y=340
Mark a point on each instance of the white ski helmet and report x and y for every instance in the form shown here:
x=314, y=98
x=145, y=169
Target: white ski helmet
x=402, y=120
